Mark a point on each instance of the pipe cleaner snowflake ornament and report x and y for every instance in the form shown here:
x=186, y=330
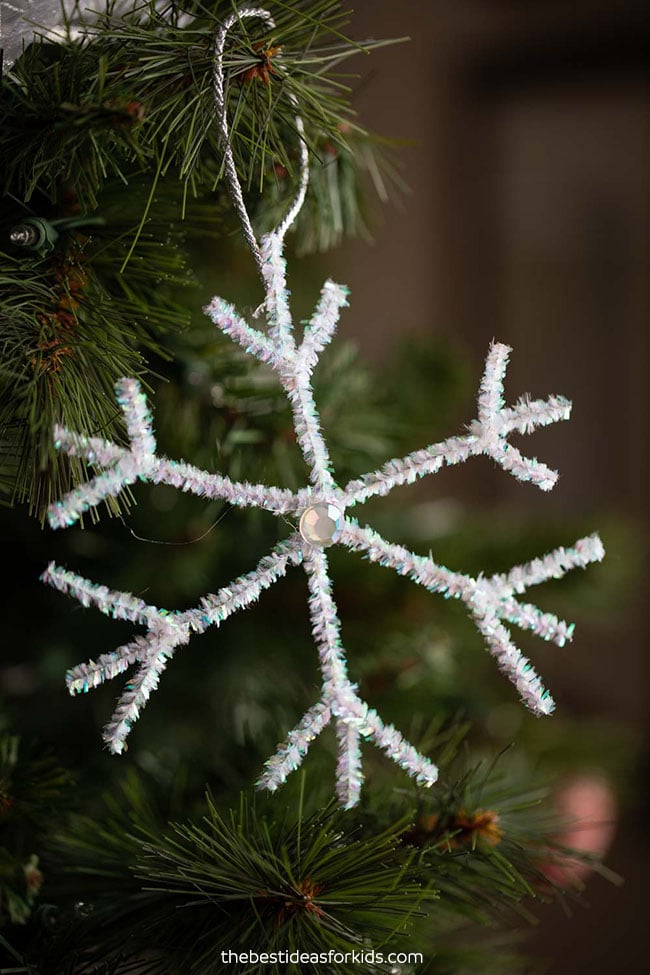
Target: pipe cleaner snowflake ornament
x=322, y=515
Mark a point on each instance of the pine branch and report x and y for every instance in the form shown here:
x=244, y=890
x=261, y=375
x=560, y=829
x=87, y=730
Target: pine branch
x=137, y=94
x=426, y=871
x=31, y=790
x=489, y=836
x=266, y=880
x=64, y=344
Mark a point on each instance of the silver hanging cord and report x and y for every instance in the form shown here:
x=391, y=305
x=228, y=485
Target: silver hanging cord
x=229, y=161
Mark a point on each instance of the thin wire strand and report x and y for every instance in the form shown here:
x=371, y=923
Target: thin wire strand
x=191, y=541
x=229, y=160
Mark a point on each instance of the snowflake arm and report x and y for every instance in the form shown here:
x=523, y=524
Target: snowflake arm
x=166, y=631
x=337, y=691
x=127, y=465
x=294, y=370
x=497, y=590
x=490, y=600
x=139, y=462
x=340, y=702
x=214, y=609
x=487, y=435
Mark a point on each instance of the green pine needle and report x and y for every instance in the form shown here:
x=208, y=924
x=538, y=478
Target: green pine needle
x=254, y=879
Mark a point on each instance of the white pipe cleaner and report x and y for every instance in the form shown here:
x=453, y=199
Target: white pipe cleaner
x=320, y=512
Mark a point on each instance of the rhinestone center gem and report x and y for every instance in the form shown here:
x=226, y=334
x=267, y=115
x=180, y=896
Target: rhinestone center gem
x=321, y=523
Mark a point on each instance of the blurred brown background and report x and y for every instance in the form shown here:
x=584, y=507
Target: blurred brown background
x=528, y=157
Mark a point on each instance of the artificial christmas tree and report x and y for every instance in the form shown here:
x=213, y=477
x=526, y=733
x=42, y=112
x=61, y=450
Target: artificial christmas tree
x=404, y=882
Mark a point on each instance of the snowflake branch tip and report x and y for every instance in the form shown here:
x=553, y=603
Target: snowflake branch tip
x=127, y=464
x=528, y=414
x=118, y=605
x=556, y=564
x=139, y=424
x=94, y=450
x=512, y=663
x=290, y=754
x=320, y=329
x=390, y=740
x=138, y=691
x=349, y=774
x=490, y=398
x=251, y=339
x=84, y=677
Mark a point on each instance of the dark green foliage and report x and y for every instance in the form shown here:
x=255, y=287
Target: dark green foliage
x=31, y=789
x=262, y=879
x=71, y=326
x=137, y=94
x=129, y=893
x=310, y=885
x=61, y=124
